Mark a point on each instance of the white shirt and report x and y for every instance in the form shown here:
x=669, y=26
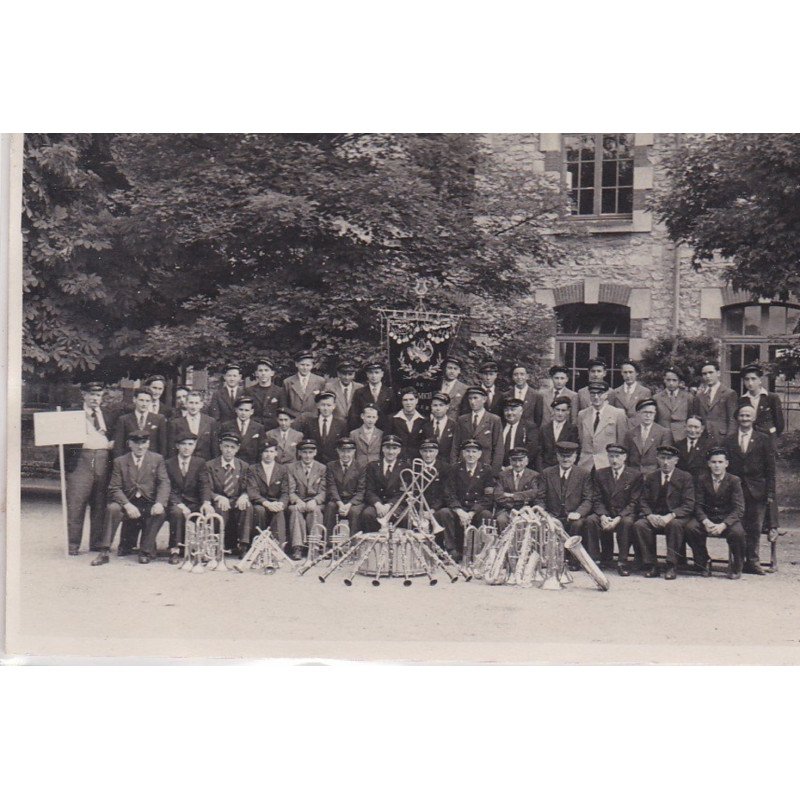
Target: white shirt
x=744, y=439
x=194, y=423
x=557, y=428
x=645, y=432
x=243, y=426
x=322, y=422
x=409, y=422
x=477, y=417
x=303, y=381
x=754, y=401
x=441, y=423
x=629, y=389
x=564, y=474
x=509, y=433
x=712, y=392
x=183, y=463
x=665, y=478
x=95, y=439
x=520, y=394
x=447, y=387
x=268, y=470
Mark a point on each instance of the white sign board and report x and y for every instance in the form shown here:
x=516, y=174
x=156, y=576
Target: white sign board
x=59, y=427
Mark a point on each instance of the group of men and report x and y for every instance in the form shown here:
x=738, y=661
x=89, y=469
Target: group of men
x=608, y=464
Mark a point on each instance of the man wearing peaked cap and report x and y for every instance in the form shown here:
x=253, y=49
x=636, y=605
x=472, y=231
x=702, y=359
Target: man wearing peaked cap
x=251, y=433
x=440, y=426
x=516, y=486
x=142, y=418
x=452, y=386
x=532, y=401
x=558, y=428
x=597, y=374
x=306, y=495
x=487, y=376
x=268, y=491
x=268, y=396
x=376, y=393
x=184, y=469
x=286, y=436
x=643, y=439
x=345, y=482
x=324, y=428
x=303, y=387
x=517, y=432
x=221, y=405
x=482, y=426
x=559, y=377
x=630, y=392
x=599, y=425
x=383, y=486
x=767, y=405
x=344, y=386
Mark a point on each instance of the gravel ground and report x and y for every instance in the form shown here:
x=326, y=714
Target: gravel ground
x=69, y=608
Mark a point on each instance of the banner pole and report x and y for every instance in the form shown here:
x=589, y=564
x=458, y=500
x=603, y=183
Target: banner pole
x=63, y=491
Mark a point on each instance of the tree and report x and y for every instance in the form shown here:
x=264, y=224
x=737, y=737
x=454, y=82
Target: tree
x=685, y=354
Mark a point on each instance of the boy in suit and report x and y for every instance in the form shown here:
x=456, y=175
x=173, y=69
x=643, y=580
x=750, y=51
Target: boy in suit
x=268, y=491
x=630, y=393
x=345, y=482
x=599, y=425
x=407, y=424
x=181, y=396
x=303, y=387
x=515, y=487
x=487, y=378
x=183, y=470
x=141, y=419
x=323, y=428
x=251, y=433
x=373, y=393
x=643, y=439
x=221, y=405
x=769, y=412
x=441, y=426
x=306, y=495
x=286, y=436
x=673, y=404
x=368, y=436
x=197, y=423
x=559, y=376
x=557, y=429
x=532, y=403
x=159, y=405
x=519, y=433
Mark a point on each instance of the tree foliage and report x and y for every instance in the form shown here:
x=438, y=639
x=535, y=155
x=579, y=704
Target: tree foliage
x=685, y=354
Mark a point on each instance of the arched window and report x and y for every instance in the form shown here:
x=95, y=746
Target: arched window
x=599, y=330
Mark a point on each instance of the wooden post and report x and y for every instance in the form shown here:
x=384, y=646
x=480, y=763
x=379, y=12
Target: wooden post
x=63, y=472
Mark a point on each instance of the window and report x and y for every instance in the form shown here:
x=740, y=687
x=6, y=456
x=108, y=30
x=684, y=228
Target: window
x=600, y=330
x=599, y=172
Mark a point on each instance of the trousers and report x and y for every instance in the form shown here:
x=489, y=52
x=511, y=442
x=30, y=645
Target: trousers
x=646, y=534
x=274, y=520
x=148, y=523
x=696, y=538
x=603, y=541
x=753, y=522
x=86, y=488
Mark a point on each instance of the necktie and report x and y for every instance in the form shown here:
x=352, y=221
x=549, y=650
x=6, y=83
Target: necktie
x=436, y=430
x=347, y=396
x=324, y=427
x=95, y=420
x=508, y=437
x=516, y=481
x=232, y=393
x=241, y=427
x=689, y=445
x=376, y=390
x=229, y=486
x=616, y=474
x=141, y=421
x=193, y=424
x=596, y=420
x=386, y=468
x=563, y=482
x=283, y=439
x=474, y=421
x=743, y=443
x=184, y=468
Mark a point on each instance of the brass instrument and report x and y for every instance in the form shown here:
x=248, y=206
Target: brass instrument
x=574, y=545
x=264, y=554
x=204, y=544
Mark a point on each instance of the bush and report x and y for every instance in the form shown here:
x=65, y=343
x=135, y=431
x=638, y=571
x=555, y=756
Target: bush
x=788, y=448
x=683, y=353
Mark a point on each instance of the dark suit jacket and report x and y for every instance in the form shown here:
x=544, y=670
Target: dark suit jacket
x=385, y=404
x=725, y=505
x=150, y=480
x=671, y=412
x=489, y=434
x=207, y=445
x=456, y=395
x=184, y=489
x=448, y=432
x=769, y=418
x=326, y=448
x=410, y=439
x=154, y=424
x=617, y=498
x=470, y=493
x=304, y=489
x=530, y=490
x=436, y=491
x=756, y=468
x=527, y=436
x=303, y=402
x=380, y=488
x=345, y=486
x=268, y=400
x=578, y=492
x=258, y=490
x=718, y=416
x=250, y=448
x=642, y=455
x=367, y=451
x=164, y=408
x=695, y=463
x=287, y=454
x=569, y=433
x=494, y=407
x=533, y=405
x=680, y=494
x=220, y=406
x=212, y=479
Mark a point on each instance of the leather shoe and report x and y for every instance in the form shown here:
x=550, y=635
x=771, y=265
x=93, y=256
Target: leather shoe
x=174, y=558
x=297, y=553
x=652, y=572
x=734, y=575
x=623, y=571
x=73, y=550
x=123, y=551
x=670, y=573
x=751, y=568
x=100, y=559
x=144, y=559
x=241, y=549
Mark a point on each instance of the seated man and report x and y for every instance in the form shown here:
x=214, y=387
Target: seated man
x=468, y=497
x=437, y=473
x=138, y=493
x=224, y=491
x=568, y=494
x=345, y=479
x=183, y=471
x=268, y=491
x=719, y=510
x=382, y=484
x=250, y=432
x=616, y=499
x=306, y=495
x=666, y=504
x=516, y=486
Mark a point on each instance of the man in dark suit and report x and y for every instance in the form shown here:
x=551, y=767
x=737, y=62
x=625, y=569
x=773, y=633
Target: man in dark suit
x=559, y=377
x=666, y=505
x=487, y=378
x=407, y=424
x=568, y=495
x=558, y=429
x=345, y=482
x=268, y=491
x=674, y=405
x=630, y=393
x=286, y=436
x=306, y=496
x=752, y=459
x=437, y=475
x=268, y=396
x=375, y=393
x=181, y=396
x=616, y=499
x=324, y=429
x=251, y=433
x=532, y=403
x=303, y=387
x=516, y=486
x=645, y=437
x=141, y=419
x=468, y=497
x=344, y=386
x=769, y=412
x=183, y=471
x=719, y=509
x=221, y=405
x=519, y=433
x=87, y=469
x=714, y=403
x=481, y=426
x=160, y=404
x=453, y=387
x=224, y=491
x=693, y=447
x=137, y=496
x=440, y=426
x=382, y=484
x=201, y=425
x=597, y=374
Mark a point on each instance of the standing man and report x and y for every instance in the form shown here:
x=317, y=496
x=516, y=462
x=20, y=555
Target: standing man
x=441, y=426
x=714, y=403
x=599, y=425
x=160, y=405
x=487, y=377
x=519, y=433
x=324, y=429
x=221, y=406
x=481, y=426
x=268, y=491
x=184, y=471
x=558, y=378
x=376, y=394
x=643, y=440
x=250, y=432
x=630, y=393
x=87, y=469
x=718, y=512
x=558, y=428
x=673, y=404
x=407, y=424
x=223, y=490
x=306, y=495
x=267, y=395
x=286, y=437
x=692, y=448
x=616, y=499
x=368, y=436
x=141, y=419
x=197, y=423
x=597, y=374
x=345, y=482
x=382, y=484
x=769, y=413
x=515, y=487
x=666, y=505
x=454, y=388
x=752, y=459
x=344, y=386
x=303, y=387
x=181, y=395
x=532, y=403
x=137, y=496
